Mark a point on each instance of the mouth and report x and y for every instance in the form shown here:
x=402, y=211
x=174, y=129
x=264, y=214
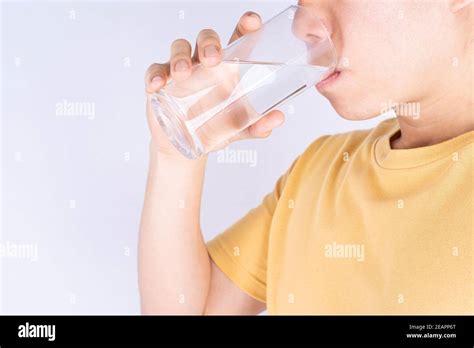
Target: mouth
x=328, y=78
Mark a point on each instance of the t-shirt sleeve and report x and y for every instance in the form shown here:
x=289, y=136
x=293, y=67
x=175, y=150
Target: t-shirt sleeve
x=241, y=250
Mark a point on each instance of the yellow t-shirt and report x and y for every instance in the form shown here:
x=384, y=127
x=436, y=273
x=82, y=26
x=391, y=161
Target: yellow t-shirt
x=355, y=227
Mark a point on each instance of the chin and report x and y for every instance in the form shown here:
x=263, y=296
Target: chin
x=350, y=100
x=353, y=110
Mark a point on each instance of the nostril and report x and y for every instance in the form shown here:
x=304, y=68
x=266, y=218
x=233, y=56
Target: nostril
x=313, y=39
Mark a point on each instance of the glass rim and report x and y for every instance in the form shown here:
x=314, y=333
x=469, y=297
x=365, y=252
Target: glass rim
x=320, y=21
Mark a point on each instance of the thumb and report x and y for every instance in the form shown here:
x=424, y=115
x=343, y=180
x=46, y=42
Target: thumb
x=263, y=127
x=249, y=22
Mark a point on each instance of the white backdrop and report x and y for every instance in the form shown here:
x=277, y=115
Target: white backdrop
x=74, y=145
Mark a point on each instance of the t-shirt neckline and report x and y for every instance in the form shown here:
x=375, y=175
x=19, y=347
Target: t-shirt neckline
x=389, y=158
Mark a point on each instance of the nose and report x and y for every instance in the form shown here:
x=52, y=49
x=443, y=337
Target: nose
x=313, y=29
x=309, y=25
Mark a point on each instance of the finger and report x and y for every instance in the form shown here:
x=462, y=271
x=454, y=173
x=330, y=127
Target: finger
x=263, y=127
x=180, y=59
x=208, y=48
x=250, y=21
x=266, y=124
x=156, y=77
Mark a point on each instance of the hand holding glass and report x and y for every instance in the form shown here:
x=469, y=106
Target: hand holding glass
x=259, y=72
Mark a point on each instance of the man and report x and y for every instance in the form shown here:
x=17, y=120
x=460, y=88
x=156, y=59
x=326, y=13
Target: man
x=377, y=221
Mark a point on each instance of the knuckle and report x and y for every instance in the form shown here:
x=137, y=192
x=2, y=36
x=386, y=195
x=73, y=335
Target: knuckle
x=156, y=66
x=208, y=37
x=181, y=44
x=155, y=70
x=152, y=69
x=180, y=56
x=208, y=43
x=205, y=33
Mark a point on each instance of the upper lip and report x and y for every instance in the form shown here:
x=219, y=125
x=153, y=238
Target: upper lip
x=329, y=73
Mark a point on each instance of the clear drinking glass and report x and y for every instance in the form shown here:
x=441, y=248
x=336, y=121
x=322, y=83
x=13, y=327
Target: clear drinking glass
x=259, y=72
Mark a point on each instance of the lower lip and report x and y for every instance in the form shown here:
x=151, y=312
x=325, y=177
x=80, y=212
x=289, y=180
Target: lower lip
x=328, y=81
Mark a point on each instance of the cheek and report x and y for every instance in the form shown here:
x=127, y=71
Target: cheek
x=375, y=71
x=383, y=56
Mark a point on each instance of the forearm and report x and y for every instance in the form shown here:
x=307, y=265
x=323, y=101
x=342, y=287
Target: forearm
x=174, y=267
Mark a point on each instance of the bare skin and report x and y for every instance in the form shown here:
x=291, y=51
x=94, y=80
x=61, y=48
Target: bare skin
x=176, y=275
x=416, y=62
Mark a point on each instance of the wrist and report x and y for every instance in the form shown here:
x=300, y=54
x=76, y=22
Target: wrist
x=174, y=157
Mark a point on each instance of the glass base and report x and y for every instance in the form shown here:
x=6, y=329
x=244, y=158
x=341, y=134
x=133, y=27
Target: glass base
x=171, y=120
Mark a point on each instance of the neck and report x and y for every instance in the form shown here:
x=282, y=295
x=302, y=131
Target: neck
x=436, y=121
x=426, y=131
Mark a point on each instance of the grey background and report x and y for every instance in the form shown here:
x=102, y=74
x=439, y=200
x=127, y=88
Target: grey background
x=73, y=185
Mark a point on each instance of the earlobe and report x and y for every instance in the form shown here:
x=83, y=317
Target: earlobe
x=457, y=5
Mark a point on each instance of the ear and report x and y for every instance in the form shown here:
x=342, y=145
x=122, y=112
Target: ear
x=457, y=5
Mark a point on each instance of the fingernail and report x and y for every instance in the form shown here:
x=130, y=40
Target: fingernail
x=211, y=51
x=181, y=65
x=156, y=82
